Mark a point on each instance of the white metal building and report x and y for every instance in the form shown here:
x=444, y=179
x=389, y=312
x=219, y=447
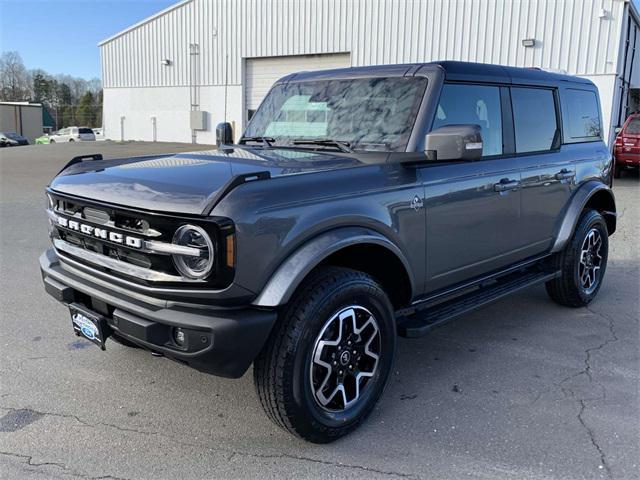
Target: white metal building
x=175, y=75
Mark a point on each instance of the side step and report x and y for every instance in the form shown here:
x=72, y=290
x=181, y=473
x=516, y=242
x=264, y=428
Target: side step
x=426, y=319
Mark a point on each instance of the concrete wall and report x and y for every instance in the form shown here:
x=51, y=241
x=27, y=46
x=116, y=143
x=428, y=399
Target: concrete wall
x=170, y=107
x=23, y=119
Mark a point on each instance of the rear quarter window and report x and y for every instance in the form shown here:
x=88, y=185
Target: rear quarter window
x=581, y=116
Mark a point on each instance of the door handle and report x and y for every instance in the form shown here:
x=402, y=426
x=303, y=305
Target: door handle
x=565, y=174
x=505, y=185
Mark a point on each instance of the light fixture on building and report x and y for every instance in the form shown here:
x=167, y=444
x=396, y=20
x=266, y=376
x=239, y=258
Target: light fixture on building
x=604, y=14
x=529, y=42
x=166, y=62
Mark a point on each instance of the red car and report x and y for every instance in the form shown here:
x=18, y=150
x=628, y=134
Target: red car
x=627, y=147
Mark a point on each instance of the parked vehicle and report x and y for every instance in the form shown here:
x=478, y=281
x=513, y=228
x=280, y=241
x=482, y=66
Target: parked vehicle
x=626, y=150
x=12, y=139
x=73, y=134
x=99, y=133
x=360, y=204
x=43, y=140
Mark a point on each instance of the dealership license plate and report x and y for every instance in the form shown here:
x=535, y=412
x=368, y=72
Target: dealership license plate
x=89, y=325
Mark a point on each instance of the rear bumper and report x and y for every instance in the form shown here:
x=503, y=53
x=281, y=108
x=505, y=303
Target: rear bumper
x=627, y=159
x=219, y=341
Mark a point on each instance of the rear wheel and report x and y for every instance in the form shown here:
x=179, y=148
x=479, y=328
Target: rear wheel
x=52, y=141
x=583, y=263
x=71, y=140
x=328, y=360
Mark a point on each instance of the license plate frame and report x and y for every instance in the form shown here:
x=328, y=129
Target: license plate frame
x=89, y=324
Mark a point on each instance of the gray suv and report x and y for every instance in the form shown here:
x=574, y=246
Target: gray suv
x=359, y=205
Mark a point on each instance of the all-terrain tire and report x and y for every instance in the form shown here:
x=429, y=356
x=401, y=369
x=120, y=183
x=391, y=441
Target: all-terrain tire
x=568, y=289
x=285, y=370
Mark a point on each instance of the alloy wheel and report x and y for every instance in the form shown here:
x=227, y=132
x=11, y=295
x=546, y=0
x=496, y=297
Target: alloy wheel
x=590, y=261
x=345, y=357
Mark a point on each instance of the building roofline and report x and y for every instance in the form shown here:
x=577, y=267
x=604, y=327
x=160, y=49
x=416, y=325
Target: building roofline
x=144, y=21
x=22, y=104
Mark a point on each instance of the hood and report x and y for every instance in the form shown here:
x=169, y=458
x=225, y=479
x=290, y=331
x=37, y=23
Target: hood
x=185, y=182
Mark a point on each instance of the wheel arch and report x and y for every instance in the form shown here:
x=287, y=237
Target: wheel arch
x=352, y=247
x=592, y=195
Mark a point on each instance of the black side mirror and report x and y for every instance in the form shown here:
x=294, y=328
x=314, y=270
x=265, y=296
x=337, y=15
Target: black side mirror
x=224, y=134
x=454, y=142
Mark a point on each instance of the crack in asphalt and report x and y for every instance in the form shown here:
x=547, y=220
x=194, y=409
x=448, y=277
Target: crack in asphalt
x=588, y=372
x=28, y=459
x=232, y=453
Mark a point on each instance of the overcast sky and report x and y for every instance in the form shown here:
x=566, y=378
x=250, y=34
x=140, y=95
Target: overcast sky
x=61, y=36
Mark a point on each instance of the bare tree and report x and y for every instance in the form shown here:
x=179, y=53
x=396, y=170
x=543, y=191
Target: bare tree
x=15, y=84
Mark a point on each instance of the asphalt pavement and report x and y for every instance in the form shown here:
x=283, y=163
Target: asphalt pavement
x=523, y=388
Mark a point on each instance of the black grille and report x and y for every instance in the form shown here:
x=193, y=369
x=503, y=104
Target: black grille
x=146, y=226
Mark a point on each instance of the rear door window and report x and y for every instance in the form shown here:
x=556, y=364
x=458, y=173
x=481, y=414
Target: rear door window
x=535, y=119
x=473, y=104
x=86, y=130
x=581, y=116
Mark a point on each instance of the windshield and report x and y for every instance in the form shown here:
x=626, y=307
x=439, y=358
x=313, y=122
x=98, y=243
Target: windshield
x=364, y=113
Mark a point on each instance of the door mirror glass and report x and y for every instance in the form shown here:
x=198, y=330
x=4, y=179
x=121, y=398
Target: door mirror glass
x=454, y=142
x=224, y=134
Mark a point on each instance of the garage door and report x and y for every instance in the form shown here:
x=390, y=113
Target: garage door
x=261, y=73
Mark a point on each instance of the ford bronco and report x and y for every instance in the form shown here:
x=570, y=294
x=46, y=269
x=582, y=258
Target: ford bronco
x=360, y=204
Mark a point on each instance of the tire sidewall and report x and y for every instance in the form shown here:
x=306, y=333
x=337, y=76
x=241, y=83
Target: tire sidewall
x=354, y=292
x=591, y=220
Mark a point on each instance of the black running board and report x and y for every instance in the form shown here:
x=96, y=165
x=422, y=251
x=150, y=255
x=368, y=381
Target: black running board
x=423, y=321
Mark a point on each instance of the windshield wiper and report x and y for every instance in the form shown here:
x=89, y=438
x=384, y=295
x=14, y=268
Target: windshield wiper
x=325, y=142
x=266, y=141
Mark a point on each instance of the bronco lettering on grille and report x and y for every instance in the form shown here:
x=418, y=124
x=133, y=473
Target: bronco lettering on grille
x=101, y=233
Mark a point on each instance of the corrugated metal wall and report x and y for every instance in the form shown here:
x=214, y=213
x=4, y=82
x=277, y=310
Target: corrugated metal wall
x=571, y=35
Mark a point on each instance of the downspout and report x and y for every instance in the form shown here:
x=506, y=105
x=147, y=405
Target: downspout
x=633, y=55
x=624, y=69
x=20, y=116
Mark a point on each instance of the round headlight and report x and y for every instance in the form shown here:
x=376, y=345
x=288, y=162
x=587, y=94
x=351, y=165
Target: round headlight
x=191, y=266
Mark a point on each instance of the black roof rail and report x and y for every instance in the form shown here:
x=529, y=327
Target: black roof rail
x=80, y=158
x=230, y=185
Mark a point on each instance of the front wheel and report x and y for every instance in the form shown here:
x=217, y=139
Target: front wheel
x=328, y=360
x=582, y=264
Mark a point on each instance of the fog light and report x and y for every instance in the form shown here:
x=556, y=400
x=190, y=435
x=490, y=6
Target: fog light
x=179, y=336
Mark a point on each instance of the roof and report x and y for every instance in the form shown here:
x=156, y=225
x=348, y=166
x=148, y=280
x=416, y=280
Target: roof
x=461, y=71
x=142, y=22
x=22, y=104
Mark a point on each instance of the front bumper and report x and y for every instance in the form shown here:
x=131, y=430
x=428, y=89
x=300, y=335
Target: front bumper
x=222, y=342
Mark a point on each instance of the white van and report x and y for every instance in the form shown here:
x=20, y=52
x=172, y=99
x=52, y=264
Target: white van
x=73, y=134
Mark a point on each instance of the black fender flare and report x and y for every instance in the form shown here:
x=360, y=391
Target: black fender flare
x=578, y=202
x=292, y=271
